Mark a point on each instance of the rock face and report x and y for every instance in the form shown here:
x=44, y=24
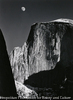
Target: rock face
x=7, y=86
x=47, y=44
x=24, y=92
x=19, y=64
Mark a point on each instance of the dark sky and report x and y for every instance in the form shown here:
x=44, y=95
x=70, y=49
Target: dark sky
x=15, y=24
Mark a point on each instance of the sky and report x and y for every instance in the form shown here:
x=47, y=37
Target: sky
x=15, y=23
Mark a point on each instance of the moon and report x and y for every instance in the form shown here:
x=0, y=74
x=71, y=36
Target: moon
x=23, y=8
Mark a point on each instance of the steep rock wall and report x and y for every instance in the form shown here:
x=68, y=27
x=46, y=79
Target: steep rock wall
x=18, y=60
x=47, y=44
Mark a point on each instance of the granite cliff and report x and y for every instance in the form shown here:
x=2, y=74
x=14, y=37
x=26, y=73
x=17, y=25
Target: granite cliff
x=25, y=92
x=47, y=44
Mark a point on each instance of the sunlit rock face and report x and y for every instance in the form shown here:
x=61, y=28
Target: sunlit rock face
x=47, y=44
x=44, y=43
x=24, y=92
x=18, y=60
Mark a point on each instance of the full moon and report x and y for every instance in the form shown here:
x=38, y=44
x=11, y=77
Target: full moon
x=23, y=8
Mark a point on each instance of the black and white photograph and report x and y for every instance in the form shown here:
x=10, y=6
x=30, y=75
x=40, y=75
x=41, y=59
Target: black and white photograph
x=36, y=49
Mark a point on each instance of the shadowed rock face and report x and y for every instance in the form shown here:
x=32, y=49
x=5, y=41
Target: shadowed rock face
x=46, y=79
x=59, y=79
x=7, y=86
x=47, y=44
